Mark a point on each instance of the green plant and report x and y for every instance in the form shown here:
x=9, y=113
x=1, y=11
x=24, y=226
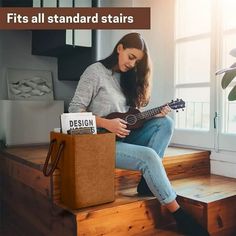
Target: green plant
x=229, y=75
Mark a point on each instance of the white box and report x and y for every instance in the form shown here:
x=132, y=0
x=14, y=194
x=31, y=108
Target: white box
x=28, y=122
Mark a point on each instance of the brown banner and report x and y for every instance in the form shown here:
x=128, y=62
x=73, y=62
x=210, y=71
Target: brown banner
x=75, y=18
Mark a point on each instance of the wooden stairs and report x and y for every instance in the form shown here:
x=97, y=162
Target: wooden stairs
x=30, y=203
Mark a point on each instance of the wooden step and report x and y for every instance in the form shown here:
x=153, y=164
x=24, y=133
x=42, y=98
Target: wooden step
x=208, y=197
x=33, y=214
x=178, y=162
x=211, y=200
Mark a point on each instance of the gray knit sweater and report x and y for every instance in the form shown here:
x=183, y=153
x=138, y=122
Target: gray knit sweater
x=99, y=92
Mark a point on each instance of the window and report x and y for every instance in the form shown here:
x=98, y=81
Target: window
x=192, y=70
x=205, y=32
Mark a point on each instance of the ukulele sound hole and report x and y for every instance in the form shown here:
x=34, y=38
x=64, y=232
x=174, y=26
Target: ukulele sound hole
x=131, y=119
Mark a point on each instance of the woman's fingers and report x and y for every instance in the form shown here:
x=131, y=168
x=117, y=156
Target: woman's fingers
x=166, y=109
x=123, y=121
x=121, y=136
x=123, y=132
x=124, y=126
x=120, y=128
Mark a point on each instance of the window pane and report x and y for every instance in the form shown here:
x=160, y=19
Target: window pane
x=197, y=111
x=229, y=113
x=193, y=61
x=228, y=11
x=50, y=3
x=229, y=42
x=192, y=17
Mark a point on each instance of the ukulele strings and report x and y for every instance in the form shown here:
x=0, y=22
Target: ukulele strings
x=135, y=117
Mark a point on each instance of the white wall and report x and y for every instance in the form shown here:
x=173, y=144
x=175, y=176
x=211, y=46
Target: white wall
x=160, y=41
x=223, y=163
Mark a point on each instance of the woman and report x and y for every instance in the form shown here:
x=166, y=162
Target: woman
x=114, y=84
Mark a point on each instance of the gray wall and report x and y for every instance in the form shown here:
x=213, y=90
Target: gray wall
x=16, y=53
x=107, y=39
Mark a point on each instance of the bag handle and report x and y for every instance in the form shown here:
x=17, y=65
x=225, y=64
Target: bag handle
x=49, y=172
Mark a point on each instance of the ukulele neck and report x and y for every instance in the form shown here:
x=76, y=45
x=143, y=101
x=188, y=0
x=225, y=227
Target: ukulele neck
x=150, y=113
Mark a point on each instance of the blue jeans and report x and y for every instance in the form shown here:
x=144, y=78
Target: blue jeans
x=143, y=150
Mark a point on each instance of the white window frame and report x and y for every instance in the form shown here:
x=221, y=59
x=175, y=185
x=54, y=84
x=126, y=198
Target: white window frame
x=214, y=138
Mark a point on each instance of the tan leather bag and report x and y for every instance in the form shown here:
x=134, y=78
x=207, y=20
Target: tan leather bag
x=86, y=164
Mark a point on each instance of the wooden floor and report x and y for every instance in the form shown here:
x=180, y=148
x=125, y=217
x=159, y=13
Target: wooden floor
x=27, y=199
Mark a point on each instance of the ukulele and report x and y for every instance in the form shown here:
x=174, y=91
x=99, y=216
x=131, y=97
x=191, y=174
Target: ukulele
x=136, y=118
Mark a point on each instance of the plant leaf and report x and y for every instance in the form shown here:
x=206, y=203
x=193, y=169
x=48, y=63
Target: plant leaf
x=232, y=94
x=228, y=77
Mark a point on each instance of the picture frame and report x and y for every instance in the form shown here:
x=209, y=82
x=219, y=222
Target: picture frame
x=24, y=84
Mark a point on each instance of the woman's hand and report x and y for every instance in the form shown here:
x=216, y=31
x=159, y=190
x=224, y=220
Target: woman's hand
x=165, y=110
x=117, y=126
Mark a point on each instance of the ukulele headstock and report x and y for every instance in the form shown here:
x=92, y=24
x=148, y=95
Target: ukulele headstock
x=177, y=104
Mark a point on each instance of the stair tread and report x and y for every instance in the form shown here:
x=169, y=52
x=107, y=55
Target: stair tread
x=178, y=151
x=204, y=189
x=35, y=156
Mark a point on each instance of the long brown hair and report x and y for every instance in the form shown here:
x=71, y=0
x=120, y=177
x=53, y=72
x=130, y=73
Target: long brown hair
x=135, y=83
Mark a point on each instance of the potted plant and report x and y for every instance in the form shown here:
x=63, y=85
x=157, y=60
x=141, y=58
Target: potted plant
x=229, y=75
